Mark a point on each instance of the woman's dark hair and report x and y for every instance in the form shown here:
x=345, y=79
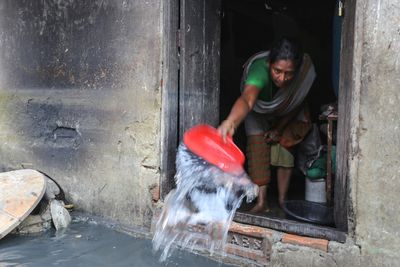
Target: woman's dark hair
x=286, y=49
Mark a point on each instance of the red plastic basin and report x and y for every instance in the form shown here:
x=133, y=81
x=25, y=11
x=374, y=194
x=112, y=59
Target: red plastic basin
x=205, y=141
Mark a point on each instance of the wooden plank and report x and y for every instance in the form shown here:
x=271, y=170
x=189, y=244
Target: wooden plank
x=20, y=192
x=329, y=163
x=199, y=63
x=293, y=227
x=343, y=131
x=170, y=96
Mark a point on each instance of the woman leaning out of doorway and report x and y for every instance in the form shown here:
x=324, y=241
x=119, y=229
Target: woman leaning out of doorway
x=273, y=88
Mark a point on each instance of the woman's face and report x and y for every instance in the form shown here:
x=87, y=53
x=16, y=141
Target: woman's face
x=282, y=72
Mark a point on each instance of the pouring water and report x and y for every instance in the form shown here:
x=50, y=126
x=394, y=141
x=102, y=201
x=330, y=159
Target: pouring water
x=197, y=214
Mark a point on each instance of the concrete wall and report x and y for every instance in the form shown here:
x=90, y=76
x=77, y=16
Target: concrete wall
x=375, y=169
x=80, y=99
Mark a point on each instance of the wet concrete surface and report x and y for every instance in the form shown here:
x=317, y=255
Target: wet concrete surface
x=87, y=243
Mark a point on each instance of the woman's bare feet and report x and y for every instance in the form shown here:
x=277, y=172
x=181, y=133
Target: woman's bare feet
x=258, y=208
x=261, y=205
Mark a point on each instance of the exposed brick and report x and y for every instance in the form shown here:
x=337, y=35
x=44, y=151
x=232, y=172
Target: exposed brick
x=250, y=230
x=251, y=242
x=247, y=254
x=320, y=244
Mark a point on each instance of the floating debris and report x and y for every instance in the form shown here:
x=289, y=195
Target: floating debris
x=30, y=202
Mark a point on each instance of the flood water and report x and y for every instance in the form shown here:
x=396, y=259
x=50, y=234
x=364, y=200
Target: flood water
x=86, y=243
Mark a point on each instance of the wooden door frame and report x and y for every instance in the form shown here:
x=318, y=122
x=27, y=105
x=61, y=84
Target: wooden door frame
x=343, y=212
x=170, y=95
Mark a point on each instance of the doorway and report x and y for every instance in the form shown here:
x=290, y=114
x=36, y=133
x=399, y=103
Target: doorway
x=236, y=27
x=248, y=27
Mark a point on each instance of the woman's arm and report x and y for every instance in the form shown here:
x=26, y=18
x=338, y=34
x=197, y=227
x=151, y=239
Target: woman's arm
x=243, y=105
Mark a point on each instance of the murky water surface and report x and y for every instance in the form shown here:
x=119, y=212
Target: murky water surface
x=88, y=244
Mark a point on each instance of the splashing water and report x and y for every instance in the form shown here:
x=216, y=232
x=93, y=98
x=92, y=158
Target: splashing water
x=197, y=214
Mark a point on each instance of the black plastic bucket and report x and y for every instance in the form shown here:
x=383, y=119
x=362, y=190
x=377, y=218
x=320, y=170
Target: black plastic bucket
x=307, y=211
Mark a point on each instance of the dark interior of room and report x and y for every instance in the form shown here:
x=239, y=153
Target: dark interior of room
x=251, y=26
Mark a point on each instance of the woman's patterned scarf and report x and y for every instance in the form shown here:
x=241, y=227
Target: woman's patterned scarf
x=290, y=97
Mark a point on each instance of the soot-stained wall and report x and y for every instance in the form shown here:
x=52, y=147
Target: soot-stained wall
x=80, y=99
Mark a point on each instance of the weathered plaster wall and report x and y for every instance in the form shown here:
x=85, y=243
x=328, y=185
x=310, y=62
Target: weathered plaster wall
x=375, y=169
x=80, y=99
